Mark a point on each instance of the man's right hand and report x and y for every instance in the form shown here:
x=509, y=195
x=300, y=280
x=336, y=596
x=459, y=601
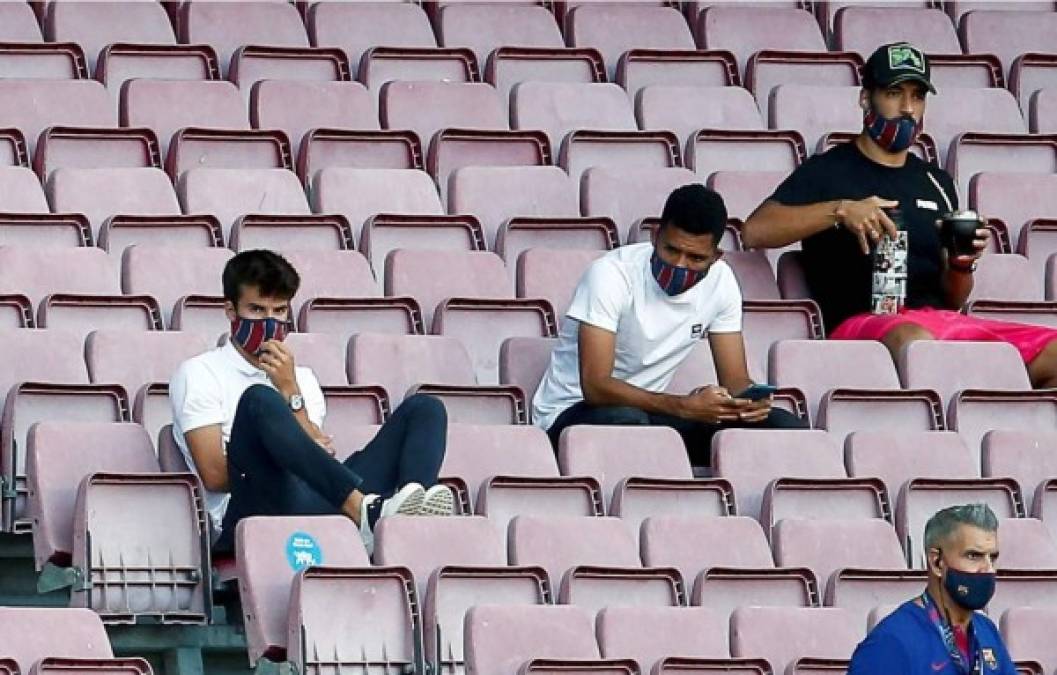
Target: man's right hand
x=711, y=405
x=867, y=220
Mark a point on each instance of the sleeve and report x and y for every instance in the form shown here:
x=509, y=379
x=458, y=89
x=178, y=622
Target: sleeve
x=879, y=655
x=601, y=297
x=802, y=186
x=728, y=318
x=315, y=402
x=196, y=397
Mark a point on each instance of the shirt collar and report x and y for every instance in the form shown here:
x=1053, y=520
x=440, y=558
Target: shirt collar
x=238, y=361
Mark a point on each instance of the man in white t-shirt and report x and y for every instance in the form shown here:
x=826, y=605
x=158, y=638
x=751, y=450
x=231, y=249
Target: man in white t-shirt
x=250, y=423
x=636, y=315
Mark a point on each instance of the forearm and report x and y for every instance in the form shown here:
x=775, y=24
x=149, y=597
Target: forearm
x=775, y=225
x=609, y=391
x=301, y=415
x=956, y=288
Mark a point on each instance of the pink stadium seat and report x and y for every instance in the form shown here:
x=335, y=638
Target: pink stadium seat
x=553, y=275
x=898, y=456
x=747, y=30
x=230, y=194
x=428, y=107
x=522, y=362
x=814, y=110
x=827, y=632
x=862, y=29
x=709, y=151
x=744, y=191
x=118, y=63
x=828, y=545
x=102, y=193
x=136, y=359
x=34, y=105
x=615, y=30
x=685, y=109
x=18, y=24
x=35, y=272
x=1024, y=455
x=253, y=64
x=53, y=666
x=1008, y=34
x=330, y=274
x=226, y=27
x=484, y=28
x=1040, y=113
x=560, y=107
x=754, y=274
x=872, y=594
x=20, y=191
x=497, y=194
x=973, y=153
x=297, y=107
x=1016, y=198
x=504, y=639
x=1026, y=634
x=1007, y=277
x=52, y=61
x=357, y=27
x=381, y=65
x=98, y=24
x=1026, y=545
x=196, y=274
x=652, y=634
x=628, y=195
x=34, y=633
x=958, y=8
x=323, y=353
x=959, y=110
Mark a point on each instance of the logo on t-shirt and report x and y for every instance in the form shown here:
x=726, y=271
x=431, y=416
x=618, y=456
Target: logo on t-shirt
x=989, y=658
x=696, y=331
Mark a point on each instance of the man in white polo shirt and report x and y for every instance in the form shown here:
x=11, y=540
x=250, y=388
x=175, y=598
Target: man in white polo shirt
x=636, y=315
x=250, y=422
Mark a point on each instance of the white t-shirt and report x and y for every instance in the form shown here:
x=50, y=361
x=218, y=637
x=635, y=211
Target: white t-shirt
x=655, y=332
x=206, y=389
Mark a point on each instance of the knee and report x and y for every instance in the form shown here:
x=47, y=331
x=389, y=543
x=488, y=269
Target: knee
x=783, y=419
x=622, y=416
x=258, y=397
x=426, y=408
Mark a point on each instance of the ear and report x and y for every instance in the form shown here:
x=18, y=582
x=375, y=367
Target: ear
x=934, y=561
x=864, y=100
x=229, y=310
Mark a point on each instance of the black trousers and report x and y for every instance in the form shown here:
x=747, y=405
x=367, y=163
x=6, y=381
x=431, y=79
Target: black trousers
x=275, y=468
x=697, y=436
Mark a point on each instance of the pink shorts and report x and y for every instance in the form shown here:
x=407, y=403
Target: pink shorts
x=947, y=325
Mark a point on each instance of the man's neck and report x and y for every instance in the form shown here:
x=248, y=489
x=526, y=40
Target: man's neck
x=876, y=153
x=253, y=360
x=955, y=614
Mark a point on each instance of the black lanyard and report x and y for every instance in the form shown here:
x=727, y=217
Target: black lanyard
x=947, y=635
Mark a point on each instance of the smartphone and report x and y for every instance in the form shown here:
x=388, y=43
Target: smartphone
x=758, y=392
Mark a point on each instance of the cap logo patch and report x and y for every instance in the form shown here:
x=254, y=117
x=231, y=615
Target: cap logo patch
x=903, y=57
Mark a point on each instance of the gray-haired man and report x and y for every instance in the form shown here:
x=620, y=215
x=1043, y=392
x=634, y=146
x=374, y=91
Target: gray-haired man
x=940, y=632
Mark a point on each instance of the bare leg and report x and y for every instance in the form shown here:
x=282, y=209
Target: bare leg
x=902, y=335
x=1043, y=368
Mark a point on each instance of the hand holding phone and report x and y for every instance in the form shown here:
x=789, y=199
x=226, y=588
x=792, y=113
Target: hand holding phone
x=758, y=392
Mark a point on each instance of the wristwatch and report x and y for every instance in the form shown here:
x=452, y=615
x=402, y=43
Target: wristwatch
x=297, y=403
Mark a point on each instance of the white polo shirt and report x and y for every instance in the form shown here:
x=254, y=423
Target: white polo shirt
x=655, y=332
x=206, y=389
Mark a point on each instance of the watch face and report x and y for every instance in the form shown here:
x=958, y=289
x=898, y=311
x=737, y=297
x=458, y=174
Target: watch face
x=297, y=402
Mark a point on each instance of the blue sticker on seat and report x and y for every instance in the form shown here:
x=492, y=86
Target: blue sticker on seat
x=302, y=550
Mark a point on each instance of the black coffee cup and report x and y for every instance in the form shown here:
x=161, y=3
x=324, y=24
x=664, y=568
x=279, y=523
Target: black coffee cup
x=958, y=231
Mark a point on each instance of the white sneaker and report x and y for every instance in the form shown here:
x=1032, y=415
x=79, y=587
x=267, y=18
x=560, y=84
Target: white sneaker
x=439, y=501
x=406, y=502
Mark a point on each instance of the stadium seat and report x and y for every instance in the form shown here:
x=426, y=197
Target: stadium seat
x=862, y=29
x=297, y=107
x=628, y=195
x=615, y=30
x=467, y=556
x=1026, y=634
x=815, y=110
x=53, y=666
x=754, y=274
x=709, y=151
x=685, y=109
x=484, y=28
x=972, y=153
x=757, y=463
x=552, y=275
x=18, y=24
x=251, y=64
x=196, y=276
x=1023, y=455
x=230, y=194
x=357, y=27
x=137, y=359
x=744, y=191
x=959, y=110
x=1007, y=277
x=522, y=362
x=651, y=634
x=102, y=193
x=849, y=398
x=1016, y=198
x=20, y=191
x=1026, y=545
x=828, y=545
x=748, y=30
x=52, y=61
x=98, y=24
x=382, y=65
x=34, y=105
x=118, y=63
x=989, y=391
x=34, y=633
x=330, y=275
x=35, y=272
x=897, y=456
x=428, y=107
x=227, y=27
x=1008, y=34
x=819, y=632
x=561, y=107
x=506, y=639
x=1040, y=111
x=158, y=105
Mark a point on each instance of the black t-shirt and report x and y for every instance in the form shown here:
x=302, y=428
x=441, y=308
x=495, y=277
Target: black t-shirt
x=838, y=274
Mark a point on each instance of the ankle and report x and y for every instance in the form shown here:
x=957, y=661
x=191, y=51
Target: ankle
x=353, y=505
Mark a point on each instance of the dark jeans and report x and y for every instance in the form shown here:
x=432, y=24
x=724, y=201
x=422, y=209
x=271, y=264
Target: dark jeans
x=696, y=435
x=275, y=468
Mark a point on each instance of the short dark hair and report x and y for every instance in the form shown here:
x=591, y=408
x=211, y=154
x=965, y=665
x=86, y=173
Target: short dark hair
x=268, y=271
x=696, y=210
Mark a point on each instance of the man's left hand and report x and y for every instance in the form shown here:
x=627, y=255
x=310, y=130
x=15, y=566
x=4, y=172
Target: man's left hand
x=755, y=411
x=983, y=238
x=277, y=361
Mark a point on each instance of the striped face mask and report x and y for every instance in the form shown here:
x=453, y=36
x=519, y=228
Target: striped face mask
x=673, y=280
x=250, y=334
x=894, y=134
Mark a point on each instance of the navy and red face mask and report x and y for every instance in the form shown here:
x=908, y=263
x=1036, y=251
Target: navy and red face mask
x=251, y=334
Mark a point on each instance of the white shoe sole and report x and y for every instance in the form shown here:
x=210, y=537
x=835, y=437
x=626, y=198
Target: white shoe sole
x=438, y=501
x=407, y=501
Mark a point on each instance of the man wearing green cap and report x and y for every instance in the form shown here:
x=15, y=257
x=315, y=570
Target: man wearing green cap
x=835, y=204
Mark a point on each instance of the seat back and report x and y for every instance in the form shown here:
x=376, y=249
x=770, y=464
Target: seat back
x=399, y=361
x=500, y=639
x=33, y=633
x=560, y=543
x=827, y=545
x=826, y=632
